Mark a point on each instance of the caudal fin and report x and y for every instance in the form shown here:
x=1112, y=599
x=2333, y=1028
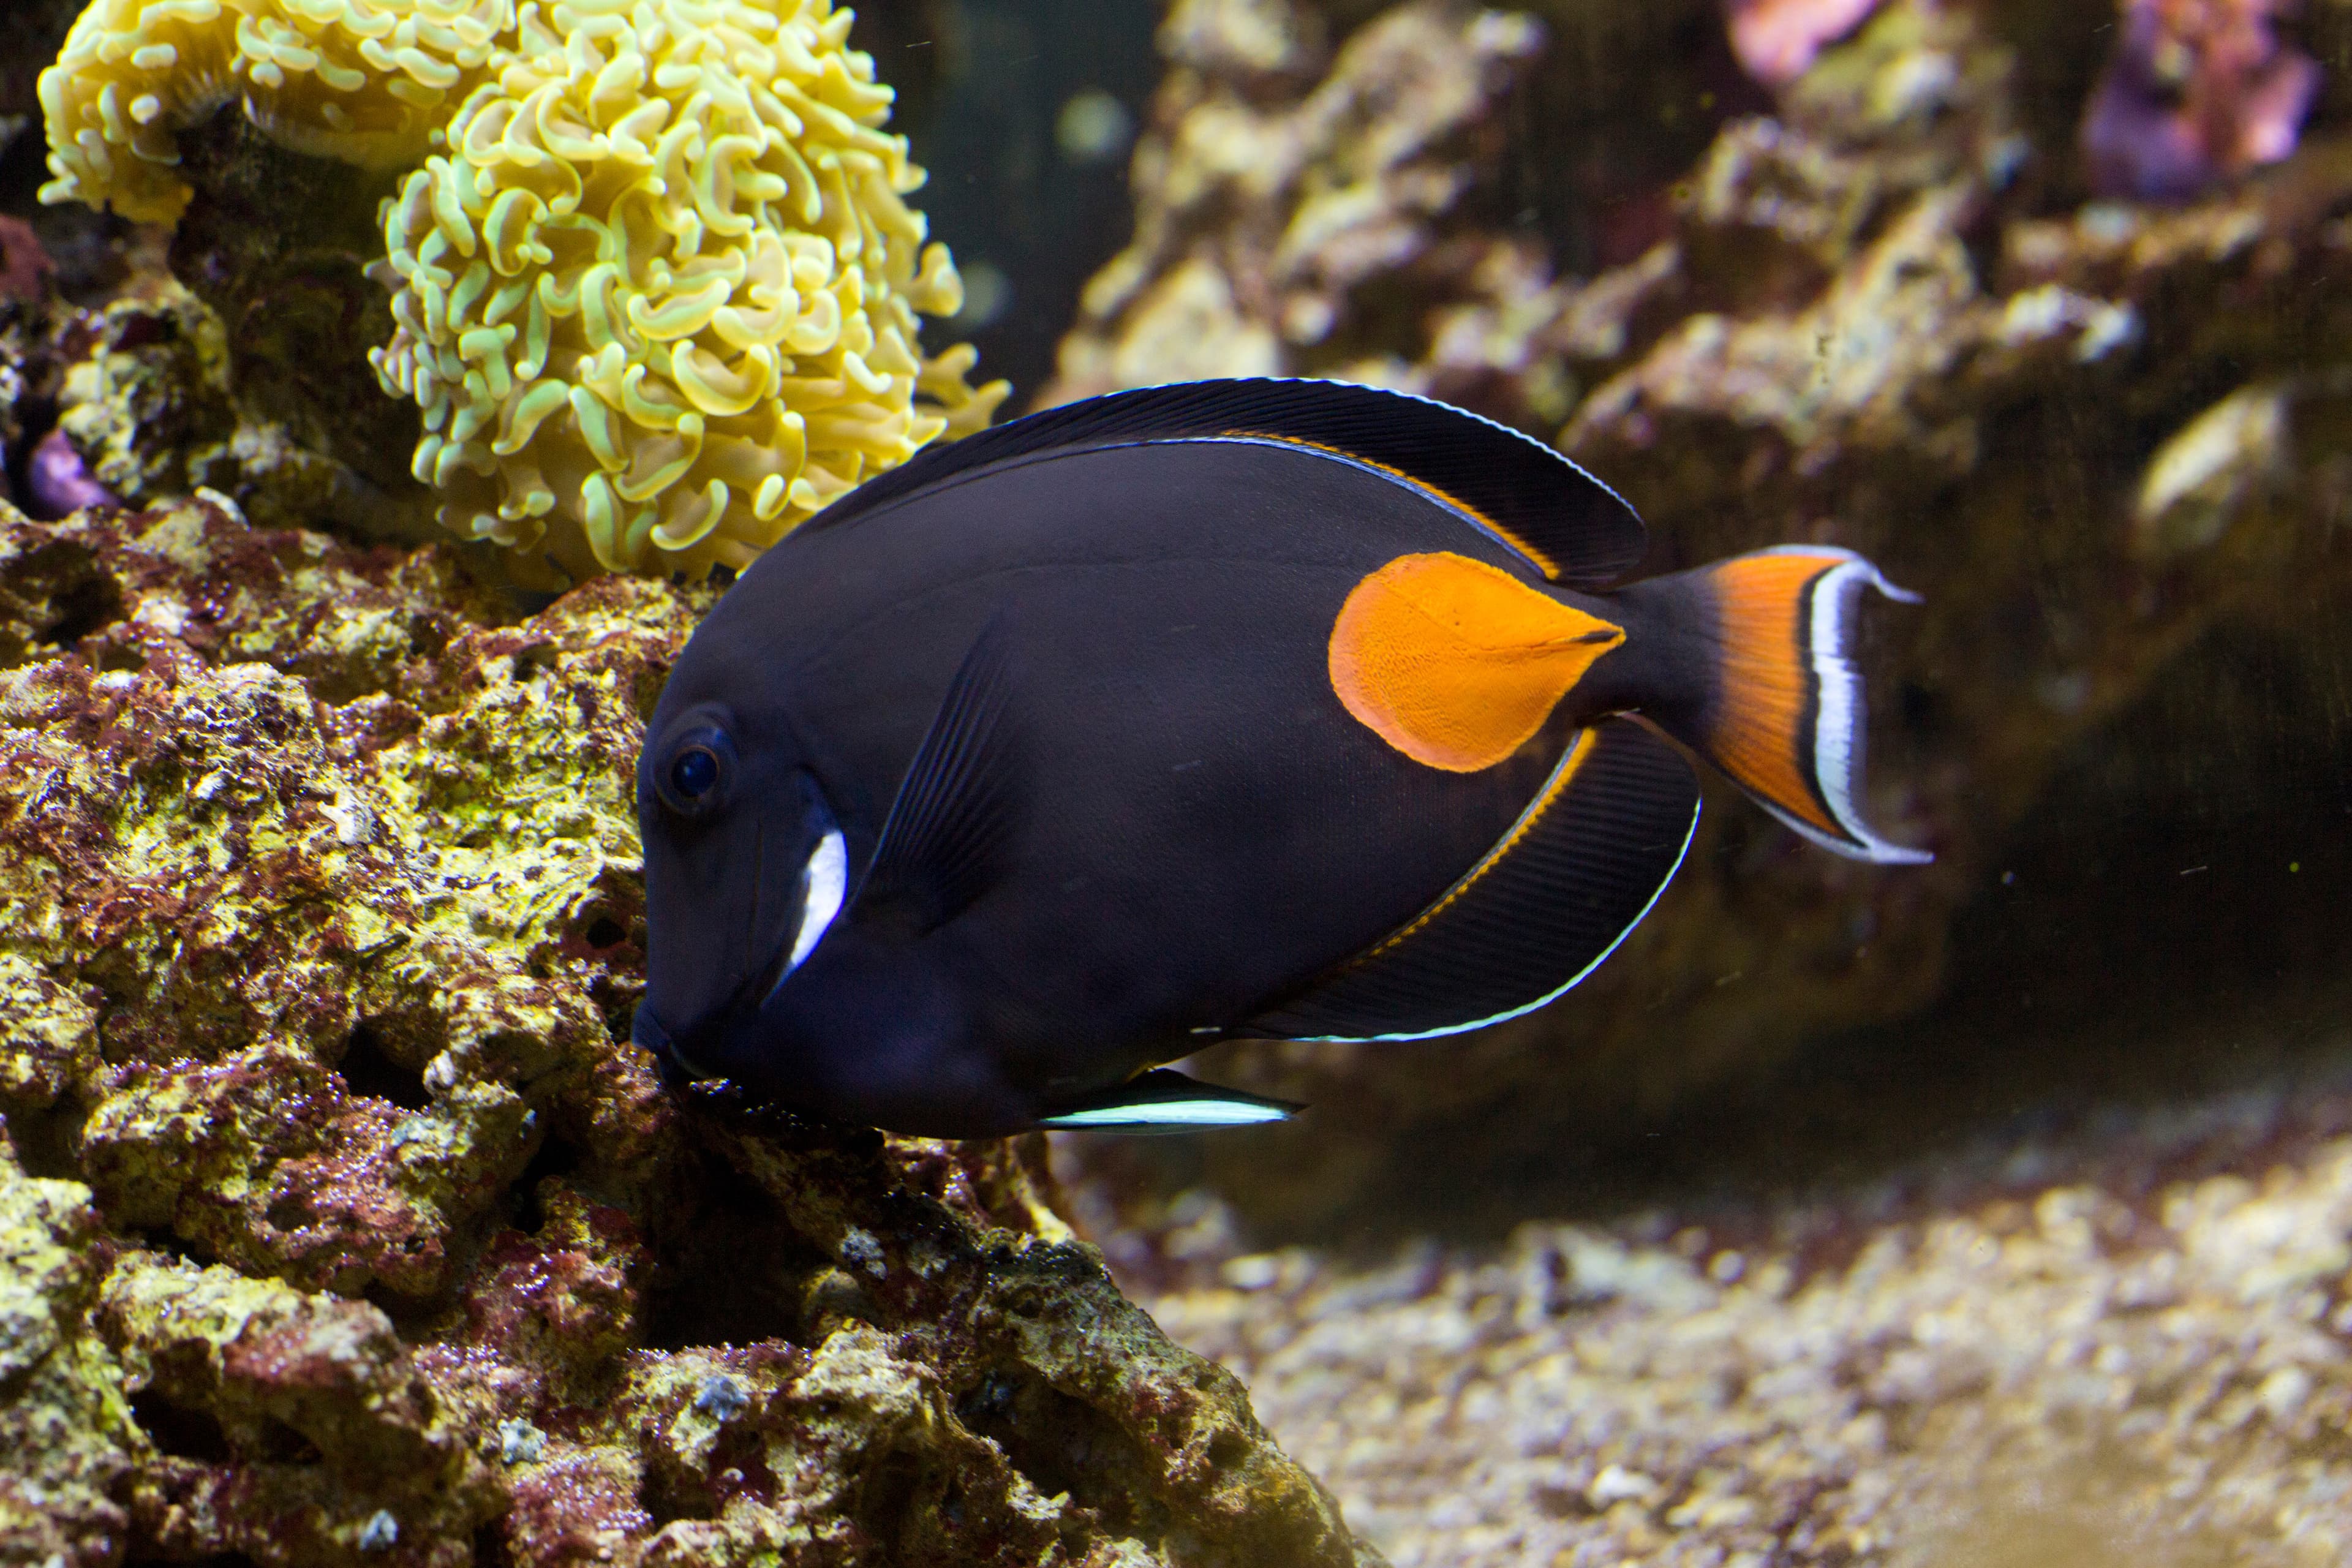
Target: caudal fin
x=1783, y=711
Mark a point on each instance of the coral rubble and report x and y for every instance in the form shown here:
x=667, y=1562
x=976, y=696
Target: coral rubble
x=654, y=286
x=340, y=1224
x=1867, y=323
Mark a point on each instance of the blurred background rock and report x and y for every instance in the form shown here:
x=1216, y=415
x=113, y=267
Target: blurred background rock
x=1024, y=111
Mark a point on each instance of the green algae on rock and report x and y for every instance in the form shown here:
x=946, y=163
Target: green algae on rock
x=344, y=1429
x=379, y=1246
x=148, y=406
x=65, y=1418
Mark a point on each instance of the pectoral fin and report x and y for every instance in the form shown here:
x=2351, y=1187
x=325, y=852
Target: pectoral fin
x=950, y=827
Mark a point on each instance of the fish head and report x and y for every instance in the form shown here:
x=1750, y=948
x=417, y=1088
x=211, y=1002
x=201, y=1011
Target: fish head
x=747, y=868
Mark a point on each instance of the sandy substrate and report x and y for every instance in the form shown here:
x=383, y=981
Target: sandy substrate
x=2117, y=1341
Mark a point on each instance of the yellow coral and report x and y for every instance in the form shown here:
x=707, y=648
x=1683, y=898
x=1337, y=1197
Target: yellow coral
x=365, y=80
x=657, y=289
x=661, y=288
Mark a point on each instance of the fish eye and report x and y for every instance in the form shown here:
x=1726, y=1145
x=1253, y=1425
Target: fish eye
x=694, y=770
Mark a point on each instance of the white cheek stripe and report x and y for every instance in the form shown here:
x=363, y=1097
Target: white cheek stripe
x=827, y=880
x=1837, y=730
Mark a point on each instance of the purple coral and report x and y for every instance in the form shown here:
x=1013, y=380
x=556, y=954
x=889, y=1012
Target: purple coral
x=60, y=482
x=1777, y=39
x=2198, y=92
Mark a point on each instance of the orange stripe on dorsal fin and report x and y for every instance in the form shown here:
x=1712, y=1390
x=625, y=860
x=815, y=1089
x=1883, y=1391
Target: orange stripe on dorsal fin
x=1510, y=486
x=1454, y=503
x=1455, y=663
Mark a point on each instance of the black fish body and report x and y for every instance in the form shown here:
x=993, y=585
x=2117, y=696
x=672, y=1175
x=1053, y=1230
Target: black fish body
x=1104, y=792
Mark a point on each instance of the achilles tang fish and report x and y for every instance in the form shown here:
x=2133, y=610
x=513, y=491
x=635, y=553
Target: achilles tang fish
x=1237, y=709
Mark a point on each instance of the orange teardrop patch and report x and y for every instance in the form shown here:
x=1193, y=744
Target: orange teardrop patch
x=1456, y=663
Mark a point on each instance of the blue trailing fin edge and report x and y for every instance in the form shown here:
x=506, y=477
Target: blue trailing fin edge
x=1163, y=1100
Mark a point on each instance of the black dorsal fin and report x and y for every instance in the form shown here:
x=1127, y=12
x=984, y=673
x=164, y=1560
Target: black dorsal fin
x=1579, y=869
x=1164, y=1100
x=947, y=832
x=1574, y=528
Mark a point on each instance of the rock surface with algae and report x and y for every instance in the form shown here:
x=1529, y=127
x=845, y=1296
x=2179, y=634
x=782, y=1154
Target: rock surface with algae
x=339, y=1222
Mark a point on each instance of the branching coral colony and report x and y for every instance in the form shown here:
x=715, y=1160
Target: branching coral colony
x=656, y=282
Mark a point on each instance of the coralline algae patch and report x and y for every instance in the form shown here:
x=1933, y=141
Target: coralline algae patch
x=340, y=1225
x=656, y=290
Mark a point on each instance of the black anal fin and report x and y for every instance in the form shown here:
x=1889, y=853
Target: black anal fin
x=951, y=826
x=1578, y=871
x=1163, y=1100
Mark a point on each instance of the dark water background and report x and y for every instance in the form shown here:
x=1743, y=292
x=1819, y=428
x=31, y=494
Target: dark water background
x=982, y=86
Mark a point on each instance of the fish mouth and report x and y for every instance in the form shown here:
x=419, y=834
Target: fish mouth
x=783, y=940
x=646, y=1032
x=689, y=1050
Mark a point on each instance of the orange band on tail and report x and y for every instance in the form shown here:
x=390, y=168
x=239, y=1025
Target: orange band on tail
x=1761, y=734
x=1786, y=716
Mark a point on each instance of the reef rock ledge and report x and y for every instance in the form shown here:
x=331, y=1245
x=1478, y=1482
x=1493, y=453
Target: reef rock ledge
x=338, y=1221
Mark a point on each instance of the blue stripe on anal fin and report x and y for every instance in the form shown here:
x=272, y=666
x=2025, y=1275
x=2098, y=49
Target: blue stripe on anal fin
x=1571, y=525
x=1163, y=1100
x=1538, y=913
